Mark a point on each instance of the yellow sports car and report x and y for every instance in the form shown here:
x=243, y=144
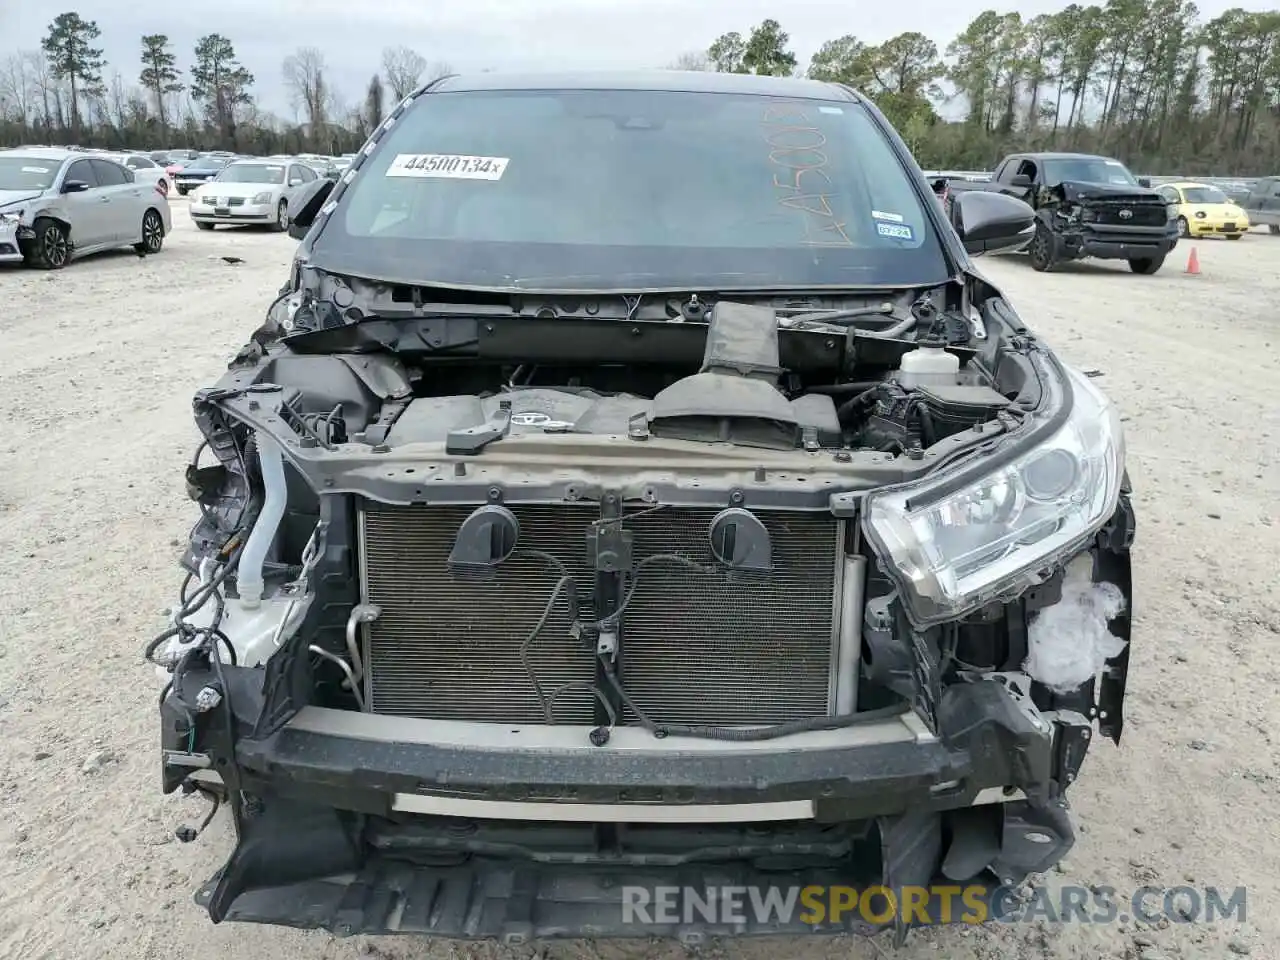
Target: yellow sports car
x=1204, y=210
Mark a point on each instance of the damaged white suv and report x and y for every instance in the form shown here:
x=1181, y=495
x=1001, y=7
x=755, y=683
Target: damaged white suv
x=635, y=483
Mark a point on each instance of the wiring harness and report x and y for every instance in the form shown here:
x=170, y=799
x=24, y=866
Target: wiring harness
x=566, y=588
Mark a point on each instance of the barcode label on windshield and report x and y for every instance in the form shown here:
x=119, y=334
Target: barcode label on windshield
x=449, y=165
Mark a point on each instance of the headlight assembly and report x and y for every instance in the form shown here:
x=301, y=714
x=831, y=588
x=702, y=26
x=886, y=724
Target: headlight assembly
x=263, y=197
x=952, y=550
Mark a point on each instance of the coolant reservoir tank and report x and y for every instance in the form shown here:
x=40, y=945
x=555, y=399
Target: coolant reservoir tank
x=928, y=365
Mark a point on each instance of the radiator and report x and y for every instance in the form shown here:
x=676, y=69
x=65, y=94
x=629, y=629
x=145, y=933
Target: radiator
x=696, y=647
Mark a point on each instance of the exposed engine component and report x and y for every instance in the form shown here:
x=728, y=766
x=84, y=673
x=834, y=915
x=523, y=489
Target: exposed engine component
x=735, y=396
x=958, y=406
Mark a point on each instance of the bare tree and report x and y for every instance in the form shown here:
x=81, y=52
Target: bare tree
x=691, y=60
x=116, y=102
x=16, y=88
x=43, y=87
x=403, y=69
x=304, y=75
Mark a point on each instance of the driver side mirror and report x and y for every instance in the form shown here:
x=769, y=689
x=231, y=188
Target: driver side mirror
x=1020, y=180
x=305, y=206
x=987, y=222
x=74, y=186
x=1144, y=182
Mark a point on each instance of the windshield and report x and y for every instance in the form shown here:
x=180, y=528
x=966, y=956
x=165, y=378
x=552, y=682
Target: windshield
x=252, y=173
x=27, y=173
x=1089, y=170
x=1203, y=195
x=625, y=189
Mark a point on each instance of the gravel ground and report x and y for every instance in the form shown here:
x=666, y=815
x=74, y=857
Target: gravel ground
x=99, y=365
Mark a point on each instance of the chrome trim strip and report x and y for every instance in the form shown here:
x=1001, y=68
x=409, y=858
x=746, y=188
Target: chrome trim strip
x=604, y=812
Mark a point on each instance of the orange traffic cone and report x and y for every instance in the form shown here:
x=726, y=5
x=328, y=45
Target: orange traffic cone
x=1193, y=263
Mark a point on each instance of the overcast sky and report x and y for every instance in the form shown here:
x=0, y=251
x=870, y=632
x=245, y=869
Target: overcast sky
x=495, y=34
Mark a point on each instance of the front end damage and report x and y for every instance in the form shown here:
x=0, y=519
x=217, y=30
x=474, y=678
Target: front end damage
x=1107, y=222
x=473, y=666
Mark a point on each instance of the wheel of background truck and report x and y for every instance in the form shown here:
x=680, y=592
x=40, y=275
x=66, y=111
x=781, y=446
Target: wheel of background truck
x=1184, y=228
x=1274, y=228
x=152, y=233
x=1146, y=264
x=1234, y=236
x=282, y=217
x=1041, y=249
x=182, y=191
x=51, y=247
x=204, y=226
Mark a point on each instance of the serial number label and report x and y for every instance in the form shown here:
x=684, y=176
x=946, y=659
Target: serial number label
x=452, y=166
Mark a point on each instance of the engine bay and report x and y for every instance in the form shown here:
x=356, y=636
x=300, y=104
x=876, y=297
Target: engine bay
x=741, y=374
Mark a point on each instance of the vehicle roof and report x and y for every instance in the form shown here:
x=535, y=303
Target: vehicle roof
x=1053, y=155
x=682, y=81
x=47, y=153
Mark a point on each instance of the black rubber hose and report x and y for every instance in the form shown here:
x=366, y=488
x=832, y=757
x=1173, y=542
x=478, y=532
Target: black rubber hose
x=927, y=428
x=854, y=405
x=754, y=734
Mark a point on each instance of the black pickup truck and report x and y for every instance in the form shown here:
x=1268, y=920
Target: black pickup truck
x=1263, y=203
x=1086, y=206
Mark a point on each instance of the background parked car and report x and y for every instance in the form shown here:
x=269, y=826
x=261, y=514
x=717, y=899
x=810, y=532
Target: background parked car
x=145, y=169
x=250, y=192
x=198, y=172
x=67, y=205
x=1203, y=210
x=323, y=166
x=177, y=160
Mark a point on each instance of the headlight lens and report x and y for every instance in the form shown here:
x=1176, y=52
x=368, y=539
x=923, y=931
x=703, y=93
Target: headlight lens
x=11, y=216
x=263, y=197
x=953, y=553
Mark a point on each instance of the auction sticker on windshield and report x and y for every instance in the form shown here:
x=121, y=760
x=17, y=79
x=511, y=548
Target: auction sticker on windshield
x=898, y=231
x=451, y=165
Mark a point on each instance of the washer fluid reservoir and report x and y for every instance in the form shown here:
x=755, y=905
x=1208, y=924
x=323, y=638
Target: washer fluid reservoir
x=928, y=365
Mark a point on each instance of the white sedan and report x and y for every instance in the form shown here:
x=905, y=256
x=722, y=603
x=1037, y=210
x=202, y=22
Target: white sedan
x=146, y=170
x=57, y=205
x=249, y=192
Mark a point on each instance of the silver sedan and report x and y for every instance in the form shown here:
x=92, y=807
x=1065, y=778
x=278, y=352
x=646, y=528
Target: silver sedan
x=250, y=192
x=57, y=205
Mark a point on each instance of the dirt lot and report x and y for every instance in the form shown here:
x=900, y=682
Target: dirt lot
x=98, y=366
